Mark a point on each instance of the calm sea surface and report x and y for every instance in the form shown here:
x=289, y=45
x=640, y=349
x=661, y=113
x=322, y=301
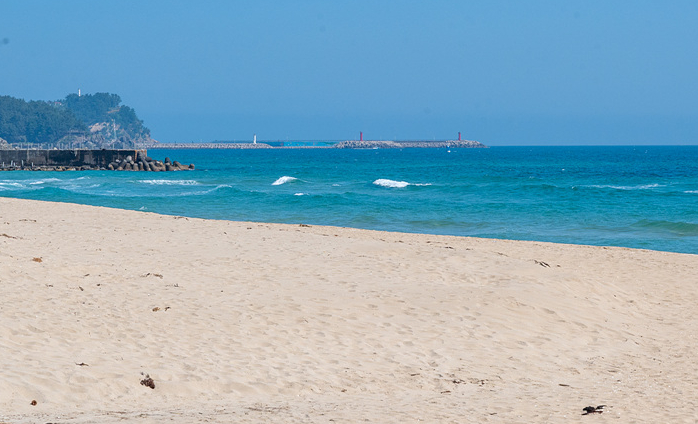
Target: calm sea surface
x=642, y=197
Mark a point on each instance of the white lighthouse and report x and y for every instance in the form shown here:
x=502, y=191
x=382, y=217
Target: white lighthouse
x=254, y=139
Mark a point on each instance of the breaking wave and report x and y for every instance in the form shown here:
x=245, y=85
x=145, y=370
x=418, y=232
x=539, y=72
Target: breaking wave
x=283, y=180
x=637, y=187
x=170, y=182
x=391, y=183
x=396, y=184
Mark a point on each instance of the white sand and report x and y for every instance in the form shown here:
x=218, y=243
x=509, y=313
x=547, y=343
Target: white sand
x=284, y=323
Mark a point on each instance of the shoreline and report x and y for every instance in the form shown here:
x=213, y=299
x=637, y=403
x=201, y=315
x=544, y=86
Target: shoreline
x=303, y=224
x=254, y=322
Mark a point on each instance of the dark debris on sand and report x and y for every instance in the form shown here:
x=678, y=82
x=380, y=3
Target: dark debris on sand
x=148, y=382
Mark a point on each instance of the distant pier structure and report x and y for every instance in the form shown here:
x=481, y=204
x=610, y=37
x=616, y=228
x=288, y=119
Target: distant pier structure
x=361, y=143
x=361, y=136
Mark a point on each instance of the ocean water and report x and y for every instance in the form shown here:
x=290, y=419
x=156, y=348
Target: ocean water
x=640, y=197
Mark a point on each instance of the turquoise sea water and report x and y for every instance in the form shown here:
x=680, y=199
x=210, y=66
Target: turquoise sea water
x=642, y=197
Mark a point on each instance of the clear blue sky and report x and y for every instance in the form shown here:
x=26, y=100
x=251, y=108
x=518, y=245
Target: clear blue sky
x=501, y=72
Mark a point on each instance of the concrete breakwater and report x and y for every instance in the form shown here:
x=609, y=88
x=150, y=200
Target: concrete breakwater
x=386, y=144
x=213, y=146
x=78, y=159
x=349, y=144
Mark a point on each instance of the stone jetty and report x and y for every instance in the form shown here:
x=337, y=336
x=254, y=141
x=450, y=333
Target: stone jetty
x=213, y=146
x=82, y=160
x=386, y=144
x=143, y=162
x=349, y=144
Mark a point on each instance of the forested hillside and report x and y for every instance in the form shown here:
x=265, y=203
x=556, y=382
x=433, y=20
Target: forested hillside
x=36, y=122
x=89, y=121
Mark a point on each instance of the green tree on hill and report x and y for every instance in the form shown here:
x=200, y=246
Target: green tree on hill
x=106, y=108
x=35, y=122
x=92, y=108
x=92, y=120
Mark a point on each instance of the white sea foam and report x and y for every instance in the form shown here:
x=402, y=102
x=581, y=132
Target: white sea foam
x=48, y=180
x=77, y=187
x=124, y=193
x=300, y=194
x=202, y=192
x=637, y=187
x=283, y=180
x=390, y=183
x=11, y=184
x=170, y=182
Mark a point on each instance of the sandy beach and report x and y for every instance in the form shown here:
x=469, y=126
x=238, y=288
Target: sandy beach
x=251, y=322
